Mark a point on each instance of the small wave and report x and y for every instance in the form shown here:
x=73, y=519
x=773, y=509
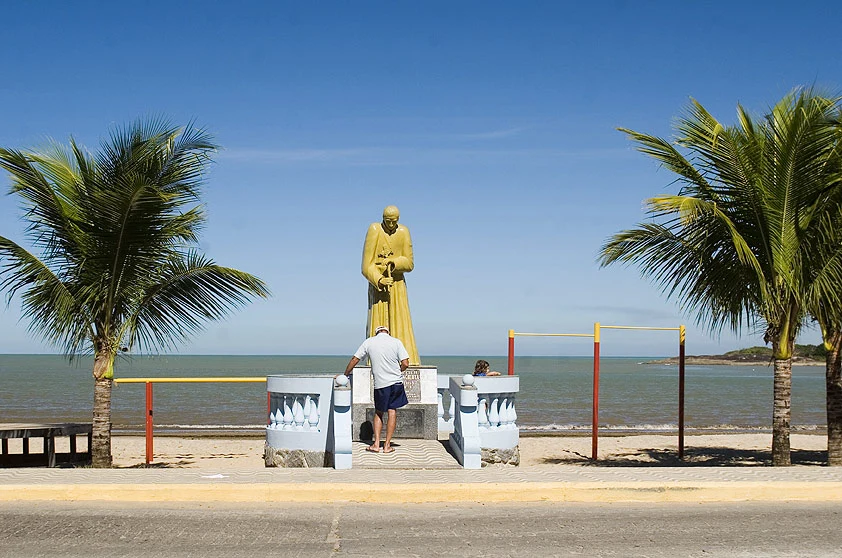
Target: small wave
x=556, y=427
x=659, y=428
x=807, y=427
x=587, y=427
x=553, y=427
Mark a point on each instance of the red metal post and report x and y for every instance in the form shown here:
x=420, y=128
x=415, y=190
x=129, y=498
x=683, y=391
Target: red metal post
x=681, y=335
x=148, y=423
x=511, y=352
x=595, y=428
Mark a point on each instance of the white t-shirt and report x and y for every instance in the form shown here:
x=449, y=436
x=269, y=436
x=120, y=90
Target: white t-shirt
x=386, y=353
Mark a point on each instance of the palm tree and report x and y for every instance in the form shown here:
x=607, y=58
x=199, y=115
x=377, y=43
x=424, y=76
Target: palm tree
x=737, y=244
x=825, y=304
x=118, y=266
x=832, y=339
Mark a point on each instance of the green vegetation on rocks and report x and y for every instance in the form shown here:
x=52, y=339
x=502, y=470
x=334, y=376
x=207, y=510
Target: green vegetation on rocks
x=814, y=352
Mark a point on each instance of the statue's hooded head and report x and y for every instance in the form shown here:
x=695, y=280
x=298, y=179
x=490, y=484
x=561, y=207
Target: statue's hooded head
x=390, y=219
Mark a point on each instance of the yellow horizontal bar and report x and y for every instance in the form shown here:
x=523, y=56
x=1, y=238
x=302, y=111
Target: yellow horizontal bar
x=642, y=327
x=188, y=380
x=556, y=334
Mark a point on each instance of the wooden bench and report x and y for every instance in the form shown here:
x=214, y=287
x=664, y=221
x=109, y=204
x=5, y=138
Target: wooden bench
x=49, y=432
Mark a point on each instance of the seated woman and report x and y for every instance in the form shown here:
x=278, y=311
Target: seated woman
x=481, y=369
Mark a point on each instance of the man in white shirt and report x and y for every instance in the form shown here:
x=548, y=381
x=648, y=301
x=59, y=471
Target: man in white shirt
x=388, y=358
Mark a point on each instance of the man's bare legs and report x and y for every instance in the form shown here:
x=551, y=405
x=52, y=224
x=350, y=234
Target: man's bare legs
x=391, y=423
x=378, y=426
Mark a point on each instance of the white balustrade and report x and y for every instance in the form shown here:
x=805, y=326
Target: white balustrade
x=311, y=413
x=485, y=410
x=294, y=412
x=299, y=412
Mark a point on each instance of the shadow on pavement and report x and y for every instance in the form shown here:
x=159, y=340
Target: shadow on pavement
x=693, y=457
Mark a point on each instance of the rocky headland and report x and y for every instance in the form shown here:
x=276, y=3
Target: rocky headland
x=805, y=355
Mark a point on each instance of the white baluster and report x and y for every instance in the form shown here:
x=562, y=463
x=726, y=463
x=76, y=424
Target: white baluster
x=305, y=411
x=482, y=413
x=452, y=408
x=504, y=412
x=440, y=410
x=494, y=413
x=287, y=415
x=512, y=414
x=297, y=414
x=313, y=417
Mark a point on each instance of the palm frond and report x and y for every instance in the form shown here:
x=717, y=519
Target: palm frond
x=115, y=231
x=663, y=151
x=750, y=237
x=189, y=292
x=51, y=308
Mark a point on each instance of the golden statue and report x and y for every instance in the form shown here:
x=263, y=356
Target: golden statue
x=387, y=256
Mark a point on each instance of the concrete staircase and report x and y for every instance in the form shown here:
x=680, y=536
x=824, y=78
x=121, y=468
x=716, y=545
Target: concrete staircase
x=408, y=454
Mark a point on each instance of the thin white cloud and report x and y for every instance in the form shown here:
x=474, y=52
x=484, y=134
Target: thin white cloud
x=495, y=134
x=296, y=155
x=382, y=156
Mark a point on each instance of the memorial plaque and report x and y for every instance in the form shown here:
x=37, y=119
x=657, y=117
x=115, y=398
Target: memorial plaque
x=412, y=384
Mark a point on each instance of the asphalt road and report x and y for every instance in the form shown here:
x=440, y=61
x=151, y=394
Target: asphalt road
x=94, y=530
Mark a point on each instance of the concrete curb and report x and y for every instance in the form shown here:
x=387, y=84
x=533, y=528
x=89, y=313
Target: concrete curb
x=431, y=492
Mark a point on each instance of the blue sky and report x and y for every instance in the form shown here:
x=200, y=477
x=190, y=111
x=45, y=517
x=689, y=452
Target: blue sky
x=491, y=125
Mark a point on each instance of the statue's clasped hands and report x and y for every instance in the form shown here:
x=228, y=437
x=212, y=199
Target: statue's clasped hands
x=387, y=280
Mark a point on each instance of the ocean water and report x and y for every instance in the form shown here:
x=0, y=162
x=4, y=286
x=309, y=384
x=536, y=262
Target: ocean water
x=555, y=392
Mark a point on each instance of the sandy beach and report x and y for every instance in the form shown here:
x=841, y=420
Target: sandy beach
x=743, y=450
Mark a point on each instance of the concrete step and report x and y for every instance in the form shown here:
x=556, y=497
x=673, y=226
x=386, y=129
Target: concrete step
x=408, y=454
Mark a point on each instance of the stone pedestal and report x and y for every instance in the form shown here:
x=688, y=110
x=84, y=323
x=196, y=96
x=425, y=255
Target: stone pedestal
x=492, y=456
x=419, y=419
x=294, y=458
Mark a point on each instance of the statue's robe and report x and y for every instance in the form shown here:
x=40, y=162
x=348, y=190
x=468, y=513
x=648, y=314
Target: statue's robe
x=389, y=306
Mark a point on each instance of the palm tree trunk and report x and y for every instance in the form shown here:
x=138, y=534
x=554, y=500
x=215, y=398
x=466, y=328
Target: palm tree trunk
x=833, y=383
x=101, y=436
x=781, y=412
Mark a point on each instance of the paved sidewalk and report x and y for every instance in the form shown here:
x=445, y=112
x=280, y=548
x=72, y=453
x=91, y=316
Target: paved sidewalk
x=553, y=483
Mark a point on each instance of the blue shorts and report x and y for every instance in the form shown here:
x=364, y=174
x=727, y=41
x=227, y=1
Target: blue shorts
x=390, y=397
